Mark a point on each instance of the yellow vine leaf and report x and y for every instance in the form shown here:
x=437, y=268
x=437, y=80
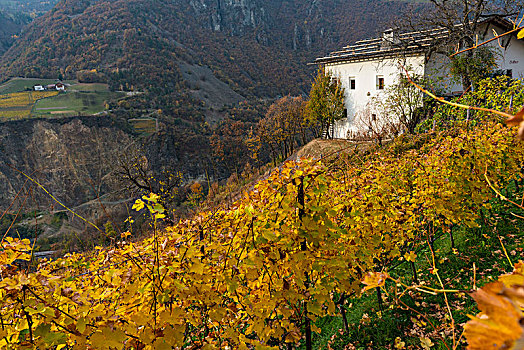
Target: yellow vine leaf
x=240, y=276
x=411, y=256
x=426, y=343
x=399, y=344
x=520, y=35
x=500, y=323
x=374, y=280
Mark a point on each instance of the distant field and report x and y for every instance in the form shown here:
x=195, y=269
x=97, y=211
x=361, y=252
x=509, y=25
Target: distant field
x=75, y=103
x=14, y=114
x=79, y=99
x=144, y=125
x=90, y=87
x=19, y=99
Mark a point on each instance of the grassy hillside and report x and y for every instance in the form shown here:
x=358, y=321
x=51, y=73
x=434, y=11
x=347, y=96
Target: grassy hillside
x=75, y=103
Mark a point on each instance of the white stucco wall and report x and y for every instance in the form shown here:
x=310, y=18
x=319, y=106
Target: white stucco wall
x=508, y=56
x=365, y=74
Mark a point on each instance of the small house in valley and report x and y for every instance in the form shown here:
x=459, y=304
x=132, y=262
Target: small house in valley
x=367, y=67
x=38, y=88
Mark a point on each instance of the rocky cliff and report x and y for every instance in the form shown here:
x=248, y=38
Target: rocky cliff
x=71, y=158
x=80, y=159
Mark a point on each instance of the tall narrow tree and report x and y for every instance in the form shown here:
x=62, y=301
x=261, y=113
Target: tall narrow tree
x=326, y=101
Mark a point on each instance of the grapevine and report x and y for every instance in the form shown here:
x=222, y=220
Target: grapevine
x=256, y=273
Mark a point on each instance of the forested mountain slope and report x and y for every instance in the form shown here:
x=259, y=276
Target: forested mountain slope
x=259, y=48
x=10, y=26
x=206, y=70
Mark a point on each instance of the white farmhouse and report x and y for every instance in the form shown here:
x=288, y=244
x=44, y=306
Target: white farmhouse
x=38, y=88
x=368, y=67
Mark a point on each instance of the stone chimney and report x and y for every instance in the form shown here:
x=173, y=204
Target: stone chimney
x=390, y=38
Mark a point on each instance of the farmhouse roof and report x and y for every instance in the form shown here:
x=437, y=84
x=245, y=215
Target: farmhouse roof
x=393, y=44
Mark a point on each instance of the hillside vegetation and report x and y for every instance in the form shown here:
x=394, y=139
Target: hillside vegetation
x=289, y=254
x=28, y=7
x=205, y=71
x=10, y=26
x=257, y=48
x=19, y=104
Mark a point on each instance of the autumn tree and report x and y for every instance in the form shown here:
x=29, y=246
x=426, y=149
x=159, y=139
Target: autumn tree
x=326, y=101
x=472, y=67
x=228, y=145
x=284, y=127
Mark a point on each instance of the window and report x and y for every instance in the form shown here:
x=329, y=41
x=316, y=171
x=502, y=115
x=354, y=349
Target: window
x=380, y=82
x=373, y=117
x=499, y=72
x=352, y=83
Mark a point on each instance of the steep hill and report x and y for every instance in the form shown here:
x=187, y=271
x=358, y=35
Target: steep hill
x=10, y=26
x=258, y=48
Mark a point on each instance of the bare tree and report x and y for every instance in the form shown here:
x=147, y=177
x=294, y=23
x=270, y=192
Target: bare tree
x=404, y=103
x=139, y=177
x=374, y=122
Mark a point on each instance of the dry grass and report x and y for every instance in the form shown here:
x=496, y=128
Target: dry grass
x=319, y=148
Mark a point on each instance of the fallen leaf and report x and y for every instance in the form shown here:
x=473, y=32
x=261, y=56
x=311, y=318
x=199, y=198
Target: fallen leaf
x=426, y=343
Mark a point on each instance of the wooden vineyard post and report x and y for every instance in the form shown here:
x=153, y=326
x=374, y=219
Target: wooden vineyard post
x=379, y=298
x=342, y=310
x=451, y=237
x=414, y=268
x=301, y=211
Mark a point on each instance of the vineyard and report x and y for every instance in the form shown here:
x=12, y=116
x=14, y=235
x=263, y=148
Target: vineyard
x=19, y=104
x=301, y=247
x=24, y=99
